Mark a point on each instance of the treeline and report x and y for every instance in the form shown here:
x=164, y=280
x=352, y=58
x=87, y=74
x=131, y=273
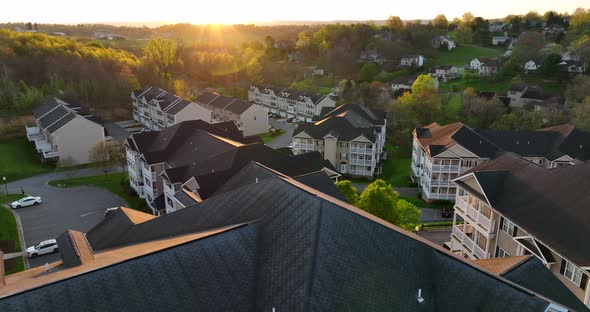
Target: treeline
x=34, y=66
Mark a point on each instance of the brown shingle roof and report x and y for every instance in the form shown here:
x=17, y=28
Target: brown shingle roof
x=499, y=266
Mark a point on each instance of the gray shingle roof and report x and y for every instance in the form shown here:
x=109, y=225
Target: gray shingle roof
x=528, y=189
x=305, y=252
x=50, y=104
x=53, y=116
x=62, y=122
x=533, y=275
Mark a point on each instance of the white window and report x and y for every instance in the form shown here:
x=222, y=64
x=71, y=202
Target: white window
x=343, y=168
x=508, y=227
x=501, y=253
x=572, y=273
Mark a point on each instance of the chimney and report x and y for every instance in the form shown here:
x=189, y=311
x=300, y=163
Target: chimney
x=2, y=275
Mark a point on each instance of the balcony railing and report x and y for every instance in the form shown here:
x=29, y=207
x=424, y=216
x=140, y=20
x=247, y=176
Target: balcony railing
x=357, y=150
x=479, y=252
x=360, y=173
x=364, y=162
x=441, y=182
x=461, y=203
x=149, y=174
x=468, y=242
x=33, y=133
x=458, y=233
x=50, y=154
x=303, y=146
x=452, y=168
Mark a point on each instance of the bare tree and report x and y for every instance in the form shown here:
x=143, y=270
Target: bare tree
x=100, y=154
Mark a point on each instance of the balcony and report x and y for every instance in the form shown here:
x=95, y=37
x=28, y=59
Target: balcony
x=303, y=146
x=451, y=168
x=356, y=150
x=479, y=252
x=458, y=232
x=363, y=162
x=33, y=133
x=50, y=154
x=364, y=173
x=441, y=182
x=149, y=174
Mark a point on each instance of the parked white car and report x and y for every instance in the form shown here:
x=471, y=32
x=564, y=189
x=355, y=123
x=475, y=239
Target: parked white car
x=44, y=247
x=27, y=201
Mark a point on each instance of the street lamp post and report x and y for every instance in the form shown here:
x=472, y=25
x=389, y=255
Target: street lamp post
x=5, y=186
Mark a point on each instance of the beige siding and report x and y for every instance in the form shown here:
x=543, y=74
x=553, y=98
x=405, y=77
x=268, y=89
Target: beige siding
x=75, y=139
x=193, y=111
x=326, y=102
x=330, y=150
x=506, y=242
x=254, y=121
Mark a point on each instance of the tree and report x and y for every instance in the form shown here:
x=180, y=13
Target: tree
x=464, y=35
x=349, y=191
x=100, y=154
x=580, y=21
x=162, y=54
x=581, y=114
x=467, y=19
x=481, y=112
x=116, y=154
x=423, y=83
x=368, y=72
x=440, y=21
x=550, y=66
x=394, y=23
x=581, y=48
x=532, y=19
x=380, y=200
x=578, y=89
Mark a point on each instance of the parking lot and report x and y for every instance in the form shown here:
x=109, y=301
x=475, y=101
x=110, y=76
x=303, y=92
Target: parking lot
x=62, y=209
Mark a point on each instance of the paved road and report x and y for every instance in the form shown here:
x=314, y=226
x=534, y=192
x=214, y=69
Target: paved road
x=432, y=215
x=286, y=137
x=439, y=237
x=74, y=208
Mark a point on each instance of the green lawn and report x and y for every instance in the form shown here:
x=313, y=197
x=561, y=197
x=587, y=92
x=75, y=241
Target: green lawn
x=9, y=231
x=267, y=137
x=18, y=159
x=463, y=54
x=113, y=182
x=396, y=168
x=418, y=202
x=498, y=85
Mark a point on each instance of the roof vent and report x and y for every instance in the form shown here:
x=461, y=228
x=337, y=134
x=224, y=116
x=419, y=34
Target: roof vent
x=257, y=180
x=419, y=297
x=528, y=142
x=581, y=146
x=480, y=142
x=516, y=141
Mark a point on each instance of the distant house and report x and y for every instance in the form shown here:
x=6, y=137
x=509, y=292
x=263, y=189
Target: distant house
x=490, y=66
x=412, y=61
x=250, y=118
x=63, y=131
x=372, y=56
x=533, y=98
x=403, y=83
x=445, y=72
x=501, y=41
x=574, y=67
x=290, y=103
x=475, y=64
x=498, y=26
x=531, y=66
x=296, y=56
x=444, y=40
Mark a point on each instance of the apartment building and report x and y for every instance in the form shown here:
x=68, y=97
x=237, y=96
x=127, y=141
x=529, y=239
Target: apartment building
x=350, y=136
x=157, y=109
x=149, y=153
x=251, y=119
x=442, y=153
x=303, y=106
x=188, y=185
x=513, y=207
x=267, y=244
x=64, y=132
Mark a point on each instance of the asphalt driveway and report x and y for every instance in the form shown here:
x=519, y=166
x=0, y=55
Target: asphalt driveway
x=285, y=138
x=73, y=208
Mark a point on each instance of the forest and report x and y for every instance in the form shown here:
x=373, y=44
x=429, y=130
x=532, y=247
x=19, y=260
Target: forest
x=98, y=65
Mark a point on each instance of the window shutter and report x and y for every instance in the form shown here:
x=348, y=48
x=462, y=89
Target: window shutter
x=501, y=223
x=584, y=281
x=497, y=250
x=562, y=268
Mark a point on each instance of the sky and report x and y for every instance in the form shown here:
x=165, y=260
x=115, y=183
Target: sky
x=246, y=11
